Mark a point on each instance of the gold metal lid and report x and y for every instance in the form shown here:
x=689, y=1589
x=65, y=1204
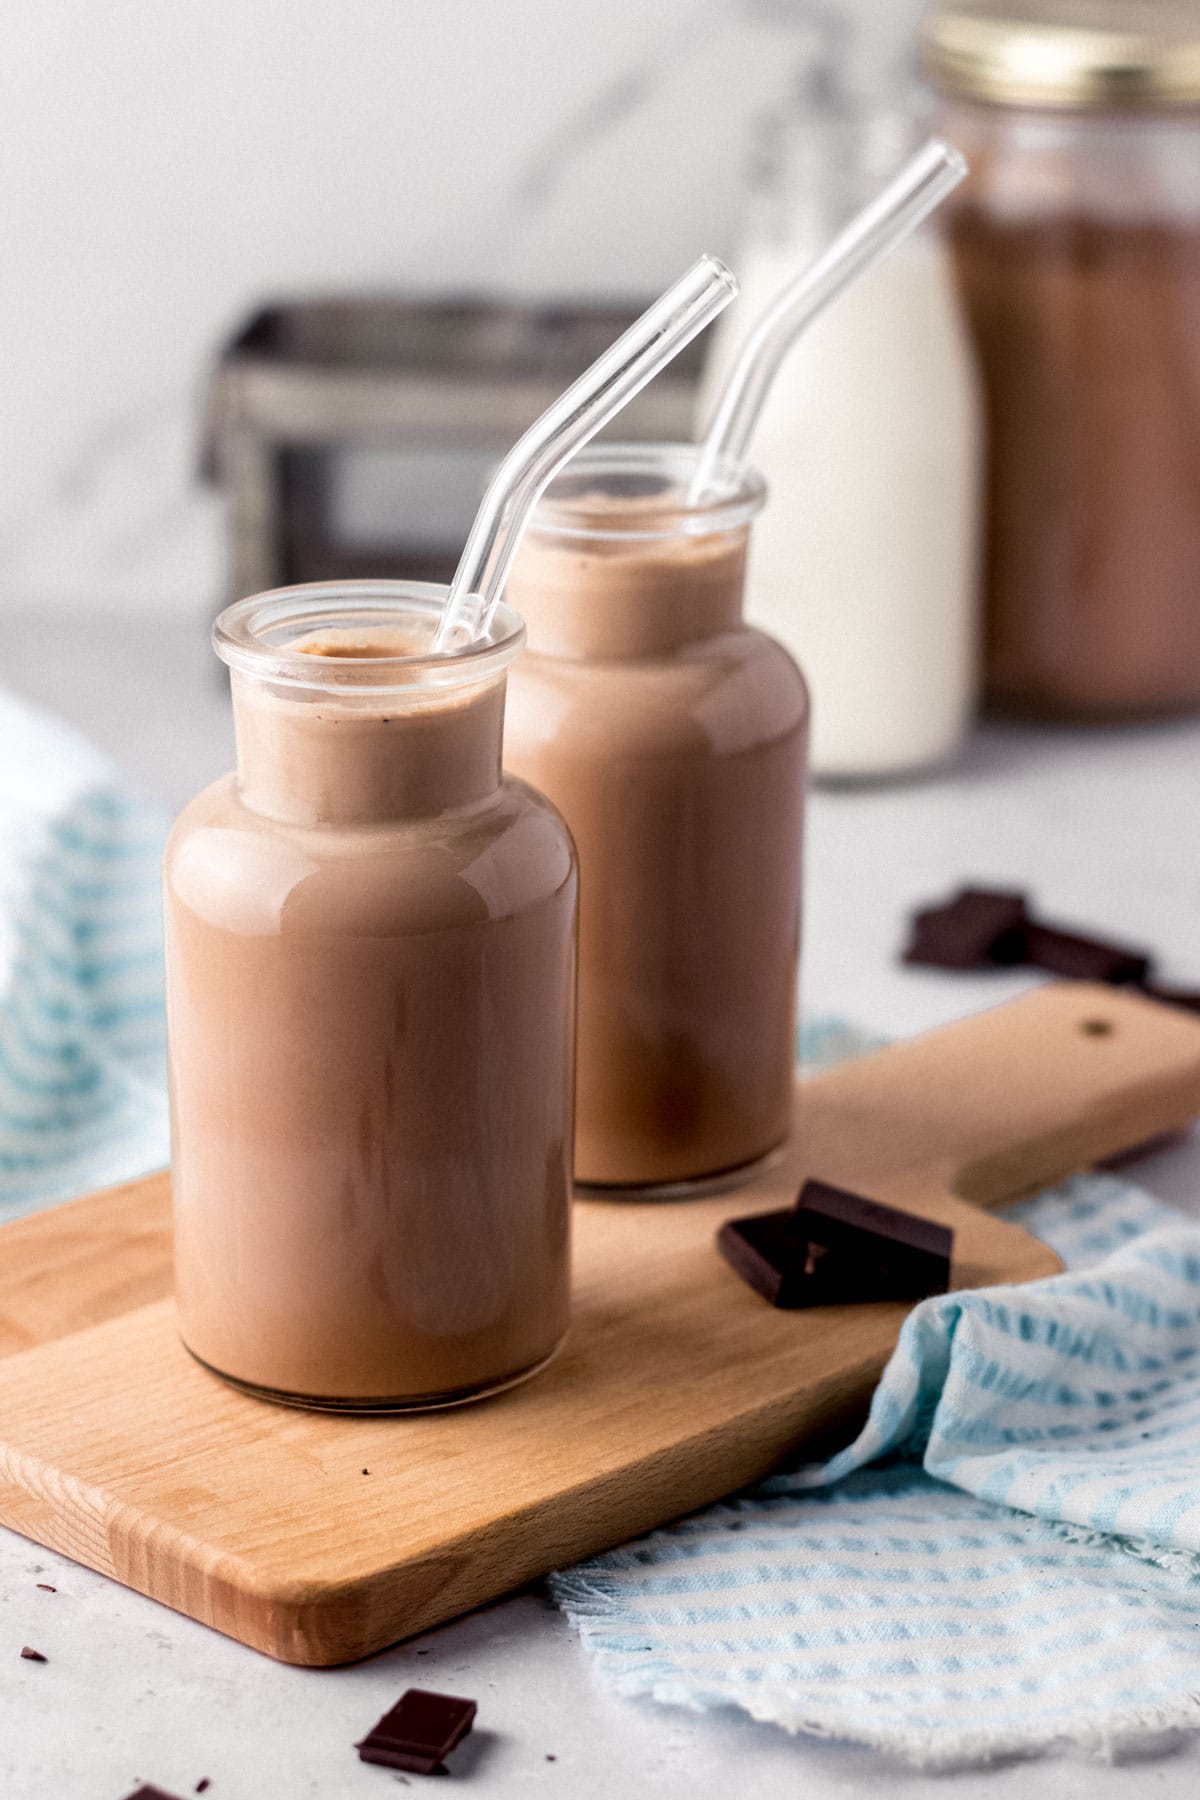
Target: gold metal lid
x=1077, y=55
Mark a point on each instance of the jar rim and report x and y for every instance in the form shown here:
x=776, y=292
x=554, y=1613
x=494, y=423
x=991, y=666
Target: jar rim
x=255, y=635
x=579, y=502
x=1066, y=55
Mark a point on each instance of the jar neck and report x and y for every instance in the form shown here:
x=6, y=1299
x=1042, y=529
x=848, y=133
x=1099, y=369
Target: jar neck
x=1132, y=169
x=588, y=596
x=311, y=757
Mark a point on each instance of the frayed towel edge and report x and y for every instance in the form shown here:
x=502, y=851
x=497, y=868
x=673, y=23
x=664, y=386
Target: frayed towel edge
x=588, y=1605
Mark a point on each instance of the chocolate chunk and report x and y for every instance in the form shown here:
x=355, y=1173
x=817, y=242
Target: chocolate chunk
x=981, y=928
x=837, y=1248
x=1083, y=958
x=978, y=929
x=419, y=1732
x=150, y=1793
x=1187, y=998
x=762, y=1250
x=32, y=1655
x=859, y=1249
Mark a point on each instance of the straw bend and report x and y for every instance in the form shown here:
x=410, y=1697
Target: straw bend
x=910, y=197
x=586, y=407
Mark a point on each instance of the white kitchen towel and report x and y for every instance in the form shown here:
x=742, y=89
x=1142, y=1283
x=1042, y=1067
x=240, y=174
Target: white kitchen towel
x=82, y=1031
x=1019, y=1565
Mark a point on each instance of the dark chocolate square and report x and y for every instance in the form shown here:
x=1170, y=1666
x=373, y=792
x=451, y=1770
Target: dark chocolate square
x=871, y=1251
x=419, y=1731
x=765, y=1254
x=978, y=929
x=836, y=1248
x=1079, y=958
x=1187, y=998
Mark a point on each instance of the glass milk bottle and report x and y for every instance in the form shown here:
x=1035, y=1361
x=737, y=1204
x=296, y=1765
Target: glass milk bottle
x=864, y=565
x=671, y=736
x=371, y=979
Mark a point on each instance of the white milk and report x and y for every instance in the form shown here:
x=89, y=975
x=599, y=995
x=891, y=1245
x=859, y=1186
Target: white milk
x=864, y=562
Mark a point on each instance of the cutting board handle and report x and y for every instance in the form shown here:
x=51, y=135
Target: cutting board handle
x=1015, y=1099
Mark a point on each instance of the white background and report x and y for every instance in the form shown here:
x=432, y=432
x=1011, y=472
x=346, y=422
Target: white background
x=167, y=164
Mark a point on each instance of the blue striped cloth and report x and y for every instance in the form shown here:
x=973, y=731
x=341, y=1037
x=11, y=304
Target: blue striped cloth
x=1006, y=1557
x=82, y=1028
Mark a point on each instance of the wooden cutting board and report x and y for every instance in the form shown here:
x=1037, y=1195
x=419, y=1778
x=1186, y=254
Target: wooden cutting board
x=318, y=1539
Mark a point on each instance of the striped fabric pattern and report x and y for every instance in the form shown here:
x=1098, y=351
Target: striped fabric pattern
x=82, y=1027
x=1007, y=1556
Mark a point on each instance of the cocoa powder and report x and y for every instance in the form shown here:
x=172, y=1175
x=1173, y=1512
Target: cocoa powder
x=1088, y=333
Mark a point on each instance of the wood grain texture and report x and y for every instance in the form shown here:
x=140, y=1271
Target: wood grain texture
x=677, y=1384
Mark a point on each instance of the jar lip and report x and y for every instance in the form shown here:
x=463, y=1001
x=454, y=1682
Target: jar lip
x=255, y=636
x=653, y=480
x=1073, y=56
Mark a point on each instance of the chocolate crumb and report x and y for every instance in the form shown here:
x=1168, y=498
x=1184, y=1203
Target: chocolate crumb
x=203, y=1786
x=33, y=1655
x=46, y=1588
x=366, y=1471
x=550, y=1758
x=146, y=1792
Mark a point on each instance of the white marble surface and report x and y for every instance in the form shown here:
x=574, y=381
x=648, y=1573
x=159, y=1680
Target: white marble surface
x=1100, y=827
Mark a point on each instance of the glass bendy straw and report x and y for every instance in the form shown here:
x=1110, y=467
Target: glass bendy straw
x=651, y=342
x=921, y=185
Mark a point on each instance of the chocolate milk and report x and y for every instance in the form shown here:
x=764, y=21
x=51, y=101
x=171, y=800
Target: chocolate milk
x=1089, y=340
x=371, y=977
x=672, y=739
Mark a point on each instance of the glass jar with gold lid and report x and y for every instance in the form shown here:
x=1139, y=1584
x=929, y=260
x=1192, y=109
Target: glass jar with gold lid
x=1078, y=250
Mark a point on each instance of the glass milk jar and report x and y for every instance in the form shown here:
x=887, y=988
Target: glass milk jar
x=371, y=977
x=865, y=563
x=671, y=736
